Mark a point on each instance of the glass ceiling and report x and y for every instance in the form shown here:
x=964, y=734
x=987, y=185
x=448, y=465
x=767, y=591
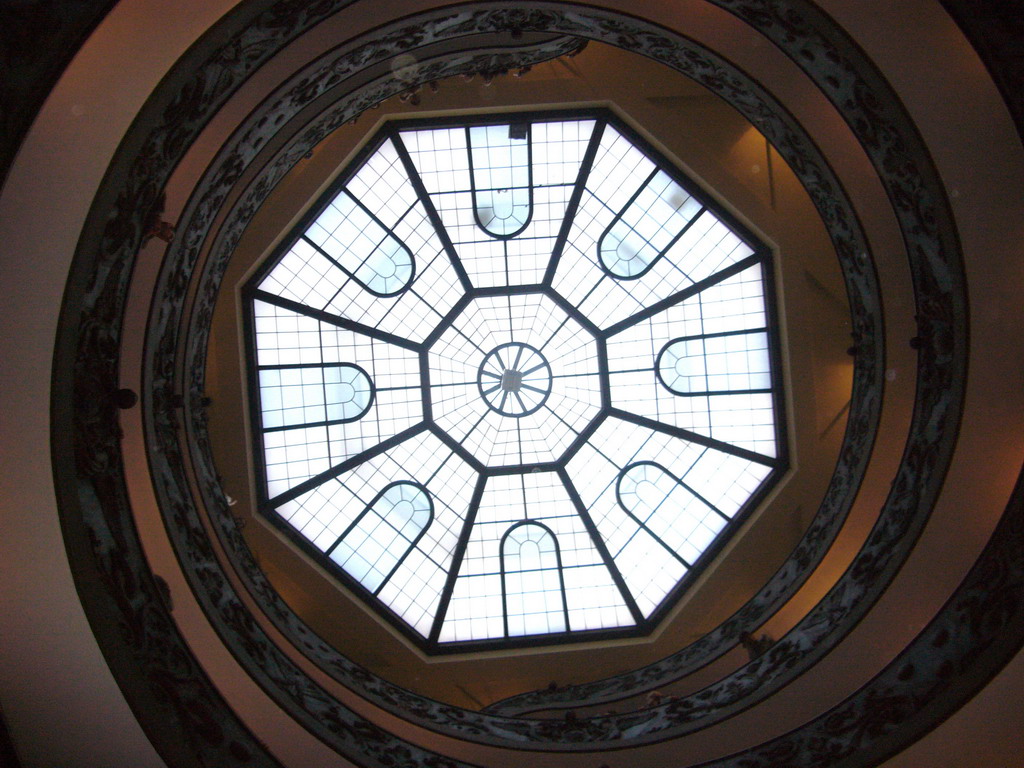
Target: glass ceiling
x=514, y=380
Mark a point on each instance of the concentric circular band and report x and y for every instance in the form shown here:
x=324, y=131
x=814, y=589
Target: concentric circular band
x=514, y=379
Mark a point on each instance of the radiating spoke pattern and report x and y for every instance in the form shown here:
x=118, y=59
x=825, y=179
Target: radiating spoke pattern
x=514, y=378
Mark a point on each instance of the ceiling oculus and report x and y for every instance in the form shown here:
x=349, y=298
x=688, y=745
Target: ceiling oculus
x=514, y=379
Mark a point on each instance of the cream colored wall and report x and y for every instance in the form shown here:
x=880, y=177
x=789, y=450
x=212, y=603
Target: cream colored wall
x=62, y=705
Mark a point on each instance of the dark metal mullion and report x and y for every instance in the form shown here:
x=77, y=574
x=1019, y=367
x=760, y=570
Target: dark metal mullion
x=601, y=547
x=373, y=368
x=539, y=569
x=323, y=378
x=472, y=180
x=426, y=303
x=446, y=321
x=642, y=526
x=627, y=370
x=504, y=248
x=675, y=239
x=704, y=362
x=387, y=230
x=574, y=311
x=624, y=208
x=719, y=512
x=561, y=582
x=439, y=468
x=774, y=355
x=519, y=438
x=446, y=384
x=529, y=176
x=428, y=206
x=405, y=555
x=456, y=561
x=457, y=447
x=375, y=389
x=564, y=422
x=338, y=322
x=586, y=165
x=327, y=256
x=507, y=290
x=686, y=293
x=294, y=366
x=504, y=588
x=351, y=527
x=554, y=333
x=694, y=437
x=604, y=373
x=720, y=334
x=508, y=302
x=309, y=425
x=656, y=371
x=425, y=399
x=518, y=469
x=459, y=331
x=526, y=521
x=721, y=392
x=333, y=472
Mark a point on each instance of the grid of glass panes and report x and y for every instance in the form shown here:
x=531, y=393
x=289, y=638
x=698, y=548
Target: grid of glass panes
x=671, y=382
x=442, y=160
x=719, y=384
x=456, y=360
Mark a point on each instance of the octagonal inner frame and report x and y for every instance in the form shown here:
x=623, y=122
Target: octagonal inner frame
x=688, y=438
x=526, y=411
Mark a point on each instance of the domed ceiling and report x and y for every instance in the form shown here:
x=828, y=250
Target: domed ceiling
x=469, y=328
x=513, y=379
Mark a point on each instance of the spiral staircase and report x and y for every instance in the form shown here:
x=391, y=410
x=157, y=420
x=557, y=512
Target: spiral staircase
x=867, y=612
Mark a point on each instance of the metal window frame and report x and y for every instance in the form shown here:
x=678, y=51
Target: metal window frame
x=761, y=255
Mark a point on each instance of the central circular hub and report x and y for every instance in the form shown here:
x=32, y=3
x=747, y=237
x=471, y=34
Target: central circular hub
x=515, y=379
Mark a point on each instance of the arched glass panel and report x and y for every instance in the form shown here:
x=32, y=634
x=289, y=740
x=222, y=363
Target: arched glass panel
x=500, y=156
x=301, y=395
x=649, y=224
x=728, y=362
x=364, y=248
x=380, y=538
x=682, y=522
x=531, y=581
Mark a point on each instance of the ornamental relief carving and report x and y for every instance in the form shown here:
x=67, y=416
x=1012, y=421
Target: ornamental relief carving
x=857, y=91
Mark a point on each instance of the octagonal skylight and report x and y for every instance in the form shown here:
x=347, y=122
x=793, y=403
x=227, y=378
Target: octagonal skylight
x=513, y=380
